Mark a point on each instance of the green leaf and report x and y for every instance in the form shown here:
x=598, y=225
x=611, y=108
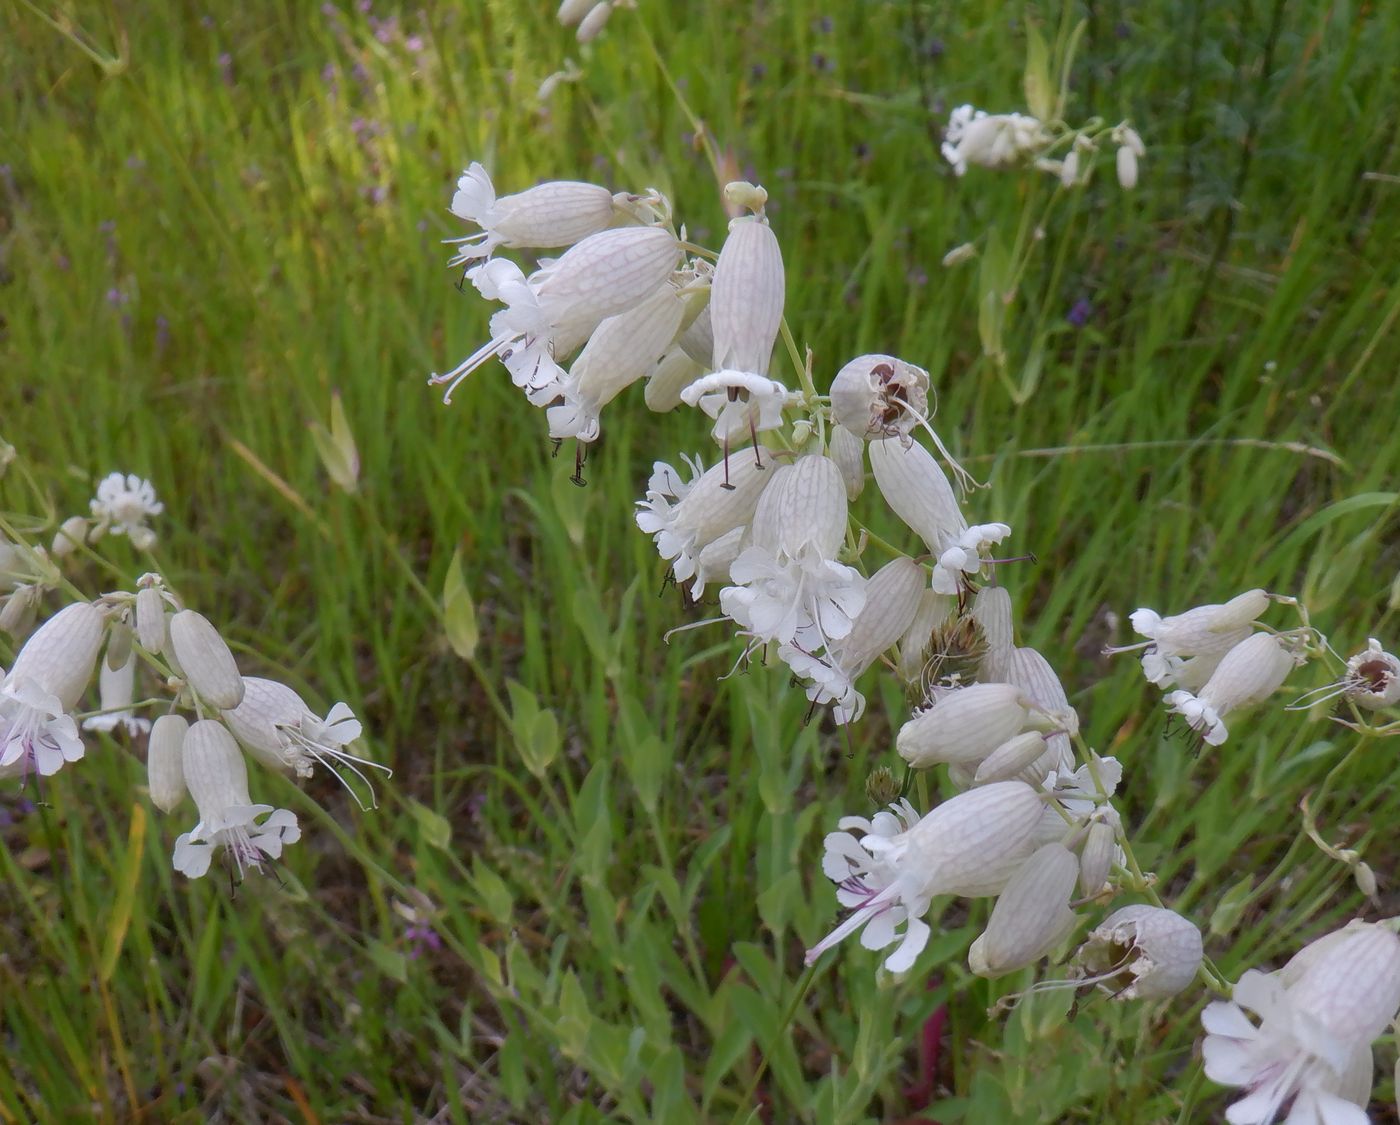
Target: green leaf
x=458, y=611
x=1227, y=911
x=1038, y=83
x=432, y=826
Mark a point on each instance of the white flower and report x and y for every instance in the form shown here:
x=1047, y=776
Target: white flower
x=685, y=517
x=965, y=556
x=36, y=732
x=848, y=451
x=69, y=536
x=788, y=586
x=218, y=781
x=969, y=845
x=1185, y=649
x=557, y=308
x=1142, y=953
x=277, y=727
x=740, y=403
x=621, y=351
x=591, y=26
x=115, y=689
x=892, y=596
x=553, y=214
x=1248, y=674
x=1371, y=680
x=122, y=506
x=1310, y=1052
x=673, y=372
x=991, y=141
x=746, y=296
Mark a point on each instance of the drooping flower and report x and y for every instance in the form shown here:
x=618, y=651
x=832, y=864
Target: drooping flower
x=50, y=673
x=622, y=350
x=1248, y=674
x=556, y=309
x=1185, y=649
x=965, y=725
x=684, y=518
x=918, y=492
x=277, y=727
x=788, y=586
x=879, y=396
x=1309, y=1054
x=122, y=506
x=964, y=556
x=549, y=215
x=217, y=779
x=1371, y=681
x=892, y=596
x=970, y=845
x=165, y=767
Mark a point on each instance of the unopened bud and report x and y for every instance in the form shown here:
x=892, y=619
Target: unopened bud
x=165, y=774
x=1031, y=916
x=205, y=658
x=71, y=534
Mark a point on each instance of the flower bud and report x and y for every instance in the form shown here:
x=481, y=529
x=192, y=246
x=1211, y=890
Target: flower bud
x=558, y=213
x=571, y=11
x=1031, y=916
x=672, y=374
x=70, y=535
x=964, y=726
x=206, y=661
x=1127, y=168
x=916, y=489
x=746, y=297
x=1096, y=857
x=60, y=655
x=150, y=619
x=591, y=26
x=164, y=762
x=698, y=339
x=1010, y=758
x=20, y=609
x=214, y=771
x=848, y=451
x=879, y=396
x=960, y=254
x=1142, y=953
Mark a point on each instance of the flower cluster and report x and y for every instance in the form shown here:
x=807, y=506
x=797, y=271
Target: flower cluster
x=770, y=526
x=147, y=636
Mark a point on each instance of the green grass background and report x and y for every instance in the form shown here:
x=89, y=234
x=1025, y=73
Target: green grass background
x=241, y=213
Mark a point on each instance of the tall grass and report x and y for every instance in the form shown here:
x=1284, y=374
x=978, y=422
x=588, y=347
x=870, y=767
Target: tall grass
x=211, y=223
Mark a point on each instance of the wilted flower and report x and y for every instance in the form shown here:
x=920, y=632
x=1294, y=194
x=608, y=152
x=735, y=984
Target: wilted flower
x=218, y=782
x=1310, y=1052
x=1371, y=680
x=879, y=396
x=969, y=845
x=122, y=506
x=1142, y=953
